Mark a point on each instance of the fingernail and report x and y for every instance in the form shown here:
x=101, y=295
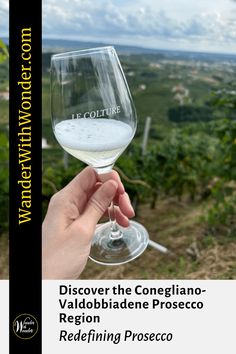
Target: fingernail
x=126, y=223
x=131, y=207
x=132, y=210
x=122, y=188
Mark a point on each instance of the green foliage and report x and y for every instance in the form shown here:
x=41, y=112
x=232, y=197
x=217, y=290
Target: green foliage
x=190, y=114
x=178, y=165
x=4, y=185
x=223, y=211
x=225, y=101
x=4, y=83
x=3, y=51
x=4, y=162
x=227, y=160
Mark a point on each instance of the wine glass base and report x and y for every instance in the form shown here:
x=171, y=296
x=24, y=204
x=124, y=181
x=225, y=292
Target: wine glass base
x=107, y=251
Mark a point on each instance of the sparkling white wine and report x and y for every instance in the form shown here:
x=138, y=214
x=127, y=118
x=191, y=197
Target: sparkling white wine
x=97, y=142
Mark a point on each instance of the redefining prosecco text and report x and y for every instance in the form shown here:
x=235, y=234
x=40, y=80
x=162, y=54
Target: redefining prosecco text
x=83, y=310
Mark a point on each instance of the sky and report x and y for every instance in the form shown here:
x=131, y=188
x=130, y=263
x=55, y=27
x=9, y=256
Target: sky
x=199, y=25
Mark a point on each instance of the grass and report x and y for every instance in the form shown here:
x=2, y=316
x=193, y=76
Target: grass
x=4, y=254
x=194, y=255
x=4, y=109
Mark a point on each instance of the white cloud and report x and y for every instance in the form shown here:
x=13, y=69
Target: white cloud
x=4, y=23
x=4, y=5
x=186, y=24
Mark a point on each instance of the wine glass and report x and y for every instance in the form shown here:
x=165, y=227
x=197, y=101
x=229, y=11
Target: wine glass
x=94, y=119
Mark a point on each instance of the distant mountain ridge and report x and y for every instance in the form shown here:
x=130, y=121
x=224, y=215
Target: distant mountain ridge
x=60, y=45
x=77, y=45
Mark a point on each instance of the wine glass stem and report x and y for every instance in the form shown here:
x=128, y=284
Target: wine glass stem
x=115, y=233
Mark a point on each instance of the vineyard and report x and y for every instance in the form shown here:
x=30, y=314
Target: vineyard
x=182, y=185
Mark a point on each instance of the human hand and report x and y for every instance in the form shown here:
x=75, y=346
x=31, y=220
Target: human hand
x=71, y=219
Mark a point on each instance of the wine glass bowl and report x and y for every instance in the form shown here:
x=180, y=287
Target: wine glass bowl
x=94, y=119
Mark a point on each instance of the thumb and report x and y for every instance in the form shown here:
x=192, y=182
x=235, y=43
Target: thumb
x=99, y=202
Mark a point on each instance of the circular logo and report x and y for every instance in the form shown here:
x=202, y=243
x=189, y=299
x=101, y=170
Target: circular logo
x=25, y=326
